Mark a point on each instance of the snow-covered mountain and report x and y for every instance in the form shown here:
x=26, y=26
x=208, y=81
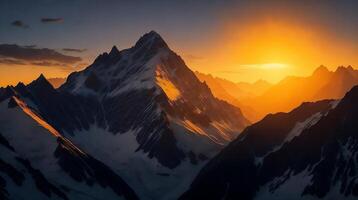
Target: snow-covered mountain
x=154, y=76
x=140, y=111
x=308, y=153
x=36, y=162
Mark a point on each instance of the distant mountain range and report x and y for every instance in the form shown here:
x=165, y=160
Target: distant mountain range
x=136, y=123
x=235, y=93
x=240, y=90
x=56, y=82
x=285, y=95
x=292, y=91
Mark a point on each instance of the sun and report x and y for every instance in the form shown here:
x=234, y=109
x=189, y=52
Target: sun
x=267, y=66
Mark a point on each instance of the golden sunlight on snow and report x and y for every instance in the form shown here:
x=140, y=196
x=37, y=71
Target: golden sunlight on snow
x=193, y=128
x=168, y=87
x=222, y=128
x=44, y=124
x=34, y=116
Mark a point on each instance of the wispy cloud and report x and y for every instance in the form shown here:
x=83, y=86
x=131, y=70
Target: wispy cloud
x=75, y=67
x=12, y=54
x=266, y=66
x=30, y=46
x=47, y=20
x=243, y=68
x=49, y=64
x=35, y=54
x=20, y=24
x=74, y=50
x=193, y=57
x=8, y=61
x=230, y=71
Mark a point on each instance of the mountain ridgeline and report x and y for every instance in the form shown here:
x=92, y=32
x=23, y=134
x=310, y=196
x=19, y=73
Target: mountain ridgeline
x=260, y=98
x=137, y=121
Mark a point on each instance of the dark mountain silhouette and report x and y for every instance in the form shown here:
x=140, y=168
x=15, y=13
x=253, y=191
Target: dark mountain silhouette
x=310, y=152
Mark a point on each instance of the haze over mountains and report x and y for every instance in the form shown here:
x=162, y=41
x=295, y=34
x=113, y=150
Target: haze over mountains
x=234, y=93
x=285, y=95
x=240, y=90
x=56, y=82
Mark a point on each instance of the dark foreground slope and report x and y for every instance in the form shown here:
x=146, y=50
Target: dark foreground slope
x=310, y=153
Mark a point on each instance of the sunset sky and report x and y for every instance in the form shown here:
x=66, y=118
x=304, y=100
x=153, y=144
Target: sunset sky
x=236, y=40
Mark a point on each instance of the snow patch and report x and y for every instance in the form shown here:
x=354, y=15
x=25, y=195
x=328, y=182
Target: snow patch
x=288, y=187
x=149, y=179
x=300, y=126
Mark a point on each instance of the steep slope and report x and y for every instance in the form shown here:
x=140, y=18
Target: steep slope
x=281, y=158
x=36, y=162
x=142, y=112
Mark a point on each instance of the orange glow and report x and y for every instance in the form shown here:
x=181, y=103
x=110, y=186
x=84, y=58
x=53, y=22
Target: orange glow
x=35, y=117
x=270, y=43
x=272, y=50
x=268, y=49
x=267, y=66
x=11, y=75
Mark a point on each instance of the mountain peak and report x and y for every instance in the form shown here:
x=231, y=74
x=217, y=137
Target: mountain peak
x=342, y=69
x=41, y=81
x=41, y=78
x=262, y=82
x=114, y=52
x=321, y=70
x=151, y=40
x=20, y=84
x=153, y=33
